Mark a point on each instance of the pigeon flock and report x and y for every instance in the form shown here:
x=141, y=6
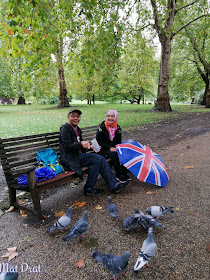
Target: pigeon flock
x=114, y=263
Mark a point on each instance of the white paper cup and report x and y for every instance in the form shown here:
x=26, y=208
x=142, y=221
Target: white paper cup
x=96, y=147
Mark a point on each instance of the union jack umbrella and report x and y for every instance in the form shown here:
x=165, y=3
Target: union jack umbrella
x=145, y=164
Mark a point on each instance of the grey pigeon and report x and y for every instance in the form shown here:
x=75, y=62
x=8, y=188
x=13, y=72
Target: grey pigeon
x=62, y=223
x=8, y=274
x=112, y=208
x=148, y=221
x=131, y=222
x=158, y=211
x=147, y=251
x=115, y=264
x=79, y=228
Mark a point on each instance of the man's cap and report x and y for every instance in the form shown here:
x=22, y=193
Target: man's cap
x=74, y=110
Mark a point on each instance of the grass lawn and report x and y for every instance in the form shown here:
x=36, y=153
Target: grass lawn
x=18, y=120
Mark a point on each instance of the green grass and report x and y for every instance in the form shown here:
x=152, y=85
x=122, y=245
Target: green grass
x=18, y=120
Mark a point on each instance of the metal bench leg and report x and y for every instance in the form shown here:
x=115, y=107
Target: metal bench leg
x=35, y=194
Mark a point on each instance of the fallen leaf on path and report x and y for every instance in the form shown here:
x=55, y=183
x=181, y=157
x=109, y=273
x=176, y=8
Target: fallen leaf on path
x=150, y=192
x=192, y=213
x=98, y=207
x=23, y=213
x=188, y=167
x=11, y=254
x=24, y=225
x=208, y=247
x=177, y=208
x=80, y=263
x=20, y=201
x=79, y=204
x=10, y=209
x=60, y=214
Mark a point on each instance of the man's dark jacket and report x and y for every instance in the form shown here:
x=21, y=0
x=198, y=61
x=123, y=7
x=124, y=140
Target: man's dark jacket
x=70, y=147
x=102, y=136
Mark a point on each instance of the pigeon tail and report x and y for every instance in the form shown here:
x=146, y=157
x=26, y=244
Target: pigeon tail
x=139, y=264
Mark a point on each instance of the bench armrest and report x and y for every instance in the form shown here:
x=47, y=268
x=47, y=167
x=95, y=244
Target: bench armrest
x=27, y=169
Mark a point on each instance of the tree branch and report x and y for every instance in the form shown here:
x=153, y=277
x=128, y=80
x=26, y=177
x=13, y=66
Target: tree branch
x=184, y=26
x=142, y=28
x=203, y=76
x=199, y=53
x=155, y=16
x=186, y=6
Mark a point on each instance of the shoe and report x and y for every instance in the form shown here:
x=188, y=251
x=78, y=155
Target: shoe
x=127, y=177
x=121, y=179
x=119, y=187
x=93, y=191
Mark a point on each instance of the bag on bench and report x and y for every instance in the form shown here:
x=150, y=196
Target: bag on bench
x=48, y=157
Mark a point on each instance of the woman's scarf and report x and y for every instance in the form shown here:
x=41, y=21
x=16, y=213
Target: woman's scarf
x=113, y=126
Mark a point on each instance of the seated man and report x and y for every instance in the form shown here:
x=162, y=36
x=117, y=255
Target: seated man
x=73, y=157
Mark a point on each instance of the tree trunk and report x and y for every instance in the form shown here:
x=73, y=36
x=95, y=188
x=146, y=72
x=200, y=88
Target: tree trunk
x=208, y=94
x=21, y=100
x=63, y=100
x=162, y=104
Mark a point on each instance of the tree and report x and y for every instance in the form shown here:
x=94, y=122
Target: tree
x=189, y=64
x=37, y=29
x=139, y=68
x=165, y=18
x=200, y=54
x=5, y=79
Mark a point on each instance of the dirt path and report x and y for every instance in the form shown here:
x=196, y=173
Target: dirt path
x=182, y=243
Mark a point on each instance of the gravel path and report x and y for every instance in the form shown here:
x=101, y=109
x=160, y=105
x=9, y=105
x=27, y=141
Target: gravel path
x=183, y=242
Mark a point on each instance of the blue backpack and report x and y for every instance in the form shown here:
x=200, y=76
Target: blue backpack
x=48, y=157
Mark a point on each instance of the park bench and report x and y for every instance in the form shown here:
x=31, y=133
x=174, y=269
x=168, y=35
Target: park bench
x=18, y=156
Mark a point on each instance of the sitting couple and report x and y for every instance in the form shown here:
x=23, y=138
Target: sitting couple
x=73, y=154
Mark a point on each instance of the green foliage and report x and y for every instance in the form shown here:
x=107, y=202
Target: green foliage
x=190, y=65
x=139, y=68
x=5, y=80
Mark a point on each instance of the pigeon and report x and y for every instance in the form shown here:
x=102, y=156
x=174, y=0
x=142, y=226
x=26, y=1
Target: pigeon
x=131, y=222
x=158, y=211
x=9, y=274
x=78, y=228
x=62, y=223
x=112, y=208
x=148, y=221
x=147, y=251
x=115, y=264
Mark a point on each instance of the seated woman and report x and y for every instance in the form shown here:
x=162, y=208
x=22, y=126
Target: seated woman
x=108, y=135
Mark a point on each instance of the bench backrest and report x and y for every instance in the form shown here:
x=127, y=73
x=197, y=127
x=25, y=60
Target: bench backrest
x=20, y=152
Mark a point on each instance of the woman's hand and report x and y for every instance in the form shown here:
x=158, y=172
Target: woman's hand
x=113, y=149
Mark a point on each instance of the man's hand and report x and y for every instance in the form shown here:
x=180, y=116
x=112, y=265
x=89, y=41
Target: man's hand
x=85, y=144
x=112, y=149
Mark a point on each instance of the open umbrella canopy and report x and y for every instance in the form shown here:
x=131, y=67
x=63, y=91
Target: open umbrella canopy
x=145, y=164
